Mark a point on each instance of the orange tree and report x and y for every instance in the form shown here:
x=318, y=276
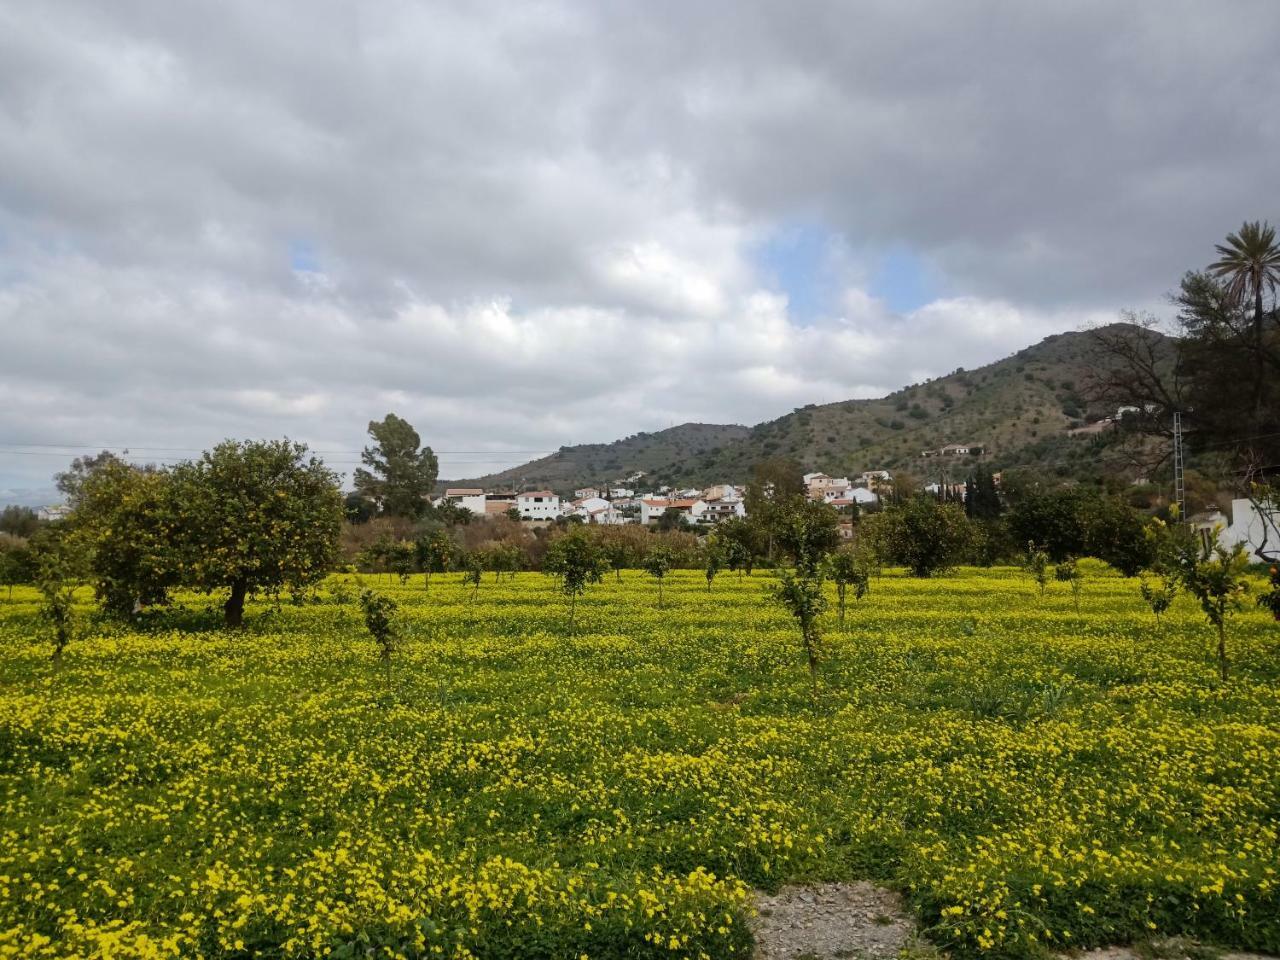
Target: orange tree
x=255, y=515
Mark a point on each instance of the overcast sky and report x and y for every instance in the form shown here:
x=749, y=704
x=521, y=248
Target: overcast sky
x=529, y=224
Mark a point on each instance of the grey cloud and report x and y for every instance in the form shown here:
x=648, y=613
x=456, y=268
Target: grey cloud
x=536, y=224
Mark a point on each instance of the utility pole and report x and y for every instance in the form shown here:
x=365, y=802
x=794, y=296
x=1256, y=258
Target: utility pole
x=1179, y=480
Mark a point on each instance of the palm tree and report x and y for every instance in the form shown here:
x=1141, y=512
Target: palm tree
x=1249, y=263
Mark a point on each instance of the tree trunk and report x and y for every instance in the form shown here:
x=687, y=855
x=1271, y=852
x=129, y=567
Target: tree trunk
x=233, y=610
x=1222, y=650
x=1259, y=370
x=659, y=594
x=573, y=602
x=811, y=652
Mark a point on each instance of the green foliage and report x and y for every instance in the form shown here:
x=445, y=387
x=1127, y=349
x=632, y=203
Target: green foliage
x=433, y=553
x=401, y=477
x=658, y=563
x=848, y=568
x=503, y=558
x=58, y=563
x=1271, y=599
x=743, y=543
x=1215, y=576
x=358, y=508
x=672, y=518
x=806, y=532
x=800, y=594
x=17, y=566
x=127, y=521
x=255, y=515
x=1036, y=563
x=1159, y=595
x=578, y=562
x=925, y=536
x=653, y=772
x=1080, y=522
x=473, y=572
x=379, y=620
x=1068, y=571
x=713, y=558
x=18, y=521
x=982, y=500
x=401, y=557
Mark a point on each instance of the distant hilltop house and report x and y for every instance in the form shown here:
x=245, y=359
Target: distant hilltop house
x=955, y=450
x=56, y=511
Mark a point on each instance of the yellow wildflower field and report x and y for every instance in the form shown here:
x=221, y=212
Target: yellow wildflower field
x=1030, y=777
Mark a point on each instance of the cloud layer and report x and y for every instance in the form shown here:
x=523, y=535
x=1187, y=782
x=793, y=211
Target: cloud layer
x=527, y=225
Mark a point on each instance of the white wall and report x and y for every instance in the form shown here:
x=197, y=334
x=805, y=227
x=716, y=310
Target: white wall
x=1250, y=527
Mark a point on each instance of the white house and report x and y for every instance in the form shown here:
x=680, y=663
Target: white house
x=55, y=512
x=862, y=496
x=538, y=505
x=586, y=493
x=468, y=498
x=621, y=493
x=719, y=491
x=589, y=508
x=875, y=478
x=1256, y=528
x=651, y=508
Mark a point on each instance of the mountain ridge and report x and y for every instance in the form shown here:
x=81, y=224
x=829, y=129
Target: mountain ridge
x=1018, y=409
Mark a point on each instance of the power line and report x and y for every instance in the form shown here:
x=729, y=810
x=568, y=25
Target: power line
x=130, y=446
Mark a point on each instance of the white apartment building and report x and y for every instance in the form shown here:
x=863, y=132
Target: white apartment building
x=538, y=505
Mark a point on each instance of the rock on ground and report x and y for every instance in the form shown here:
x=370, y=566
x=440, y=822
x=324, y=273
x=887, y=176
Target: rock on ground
x=831, y=921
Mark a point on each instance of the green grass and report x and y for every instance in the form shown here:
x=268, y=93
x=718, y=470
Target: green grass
x=1030, y=778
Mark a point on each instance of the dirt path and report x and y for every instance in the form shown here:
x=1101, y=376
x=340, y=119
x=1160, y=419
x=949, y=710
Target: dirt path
x=860, y=921
x=831, y=921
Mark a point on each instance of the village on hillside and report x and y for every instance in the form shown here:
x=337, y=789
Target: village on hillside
x=614, y=505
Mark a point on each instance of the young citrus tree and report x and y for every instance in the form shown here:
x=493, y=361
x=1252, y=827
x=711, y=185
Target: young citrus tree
x=401, y=556
x=713, y=555
x=433, y=554
x=379, y=620
x=1069, y=572
x=578, y=562
x=846, y=569
x=1036, y=563
x=1160, y=595
x=1216, y=577
x=473, y=572
x=58, y=565
x=657, y=563
x=807, y=532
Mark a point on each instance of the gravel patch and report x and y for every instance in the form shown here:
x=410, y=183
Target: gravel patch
x=831, y=921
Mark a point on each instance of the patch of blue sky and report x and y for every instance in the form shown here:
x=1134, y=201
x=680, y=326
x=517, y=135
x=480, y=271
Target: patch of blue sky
x=303, y=256
x=903, y=281
x=799, y=260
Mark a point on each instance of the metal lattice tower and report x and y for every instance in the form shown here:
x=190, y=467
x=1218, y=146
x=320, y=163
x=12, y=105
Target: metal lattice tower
x=1179, y=481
